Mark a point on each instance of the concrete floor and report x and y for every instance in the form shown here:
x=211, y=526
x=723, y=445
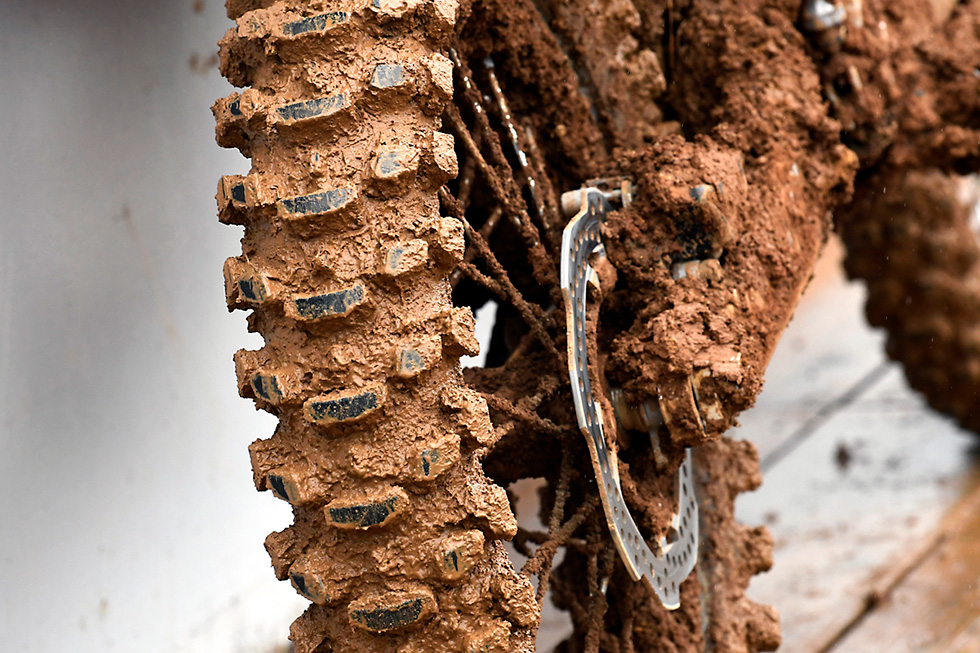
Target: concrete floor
x=860, y=476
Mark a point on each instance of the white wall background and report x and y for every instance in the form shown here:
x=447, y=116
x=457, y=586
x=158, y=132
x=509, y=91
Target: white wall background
x=128, y=520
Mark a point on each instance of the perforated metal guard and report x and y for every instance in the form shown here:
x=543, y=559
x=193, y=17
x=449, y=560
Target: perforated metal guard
x=663, y=573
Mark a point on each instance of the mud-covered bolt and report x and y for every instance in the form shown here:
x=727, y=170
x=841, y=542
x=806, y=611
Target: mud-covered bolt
x=708, y=404
x=820, y=15
x=824, y=21
x=715, y=233
x=679, y=410
x=571, y=202
x=636, y=418
x=709, y=270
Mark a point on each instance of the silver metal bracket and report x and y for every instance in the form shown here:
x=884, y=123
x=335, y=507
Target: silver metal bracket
x=664, y=572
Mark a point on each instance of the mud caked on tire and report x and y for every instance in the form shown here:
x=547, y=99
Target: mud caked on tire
x=344, y=264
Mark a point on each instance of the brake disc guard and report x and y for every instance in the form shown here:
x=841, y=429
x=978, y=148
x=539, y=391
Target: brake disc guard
x=665, y=572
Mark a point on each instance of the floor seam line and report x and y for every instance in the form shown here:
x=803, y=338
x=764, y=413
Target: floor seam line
x=823, y=415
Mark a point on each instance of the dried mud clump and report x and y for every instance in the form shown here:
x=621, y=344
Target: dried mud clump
x=717, y=247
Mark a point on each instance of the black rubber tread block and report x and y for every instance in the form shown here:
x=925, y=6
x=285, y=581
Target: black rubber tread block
x=245, y=287
x=289, y=484
x=448, y=242
x=272, y=386
x=258, y=26
x=393, y=172
x=440, y=160
x=278, y=37
x=284, y=547
x=344, y=406
x=308, y=633
x=458, y=553
x=437, y=16
x=310, y=579
x=266, y=455
x=434, y=84
x=308, y=583
x=246, y=362
x=253, y=27
x=404, y=257
x=395, y=8
x=314, y=207
x=337, y=303
x=471, y=414
x=229, y=123
x=231, y=199
x=304, y=112
x=392, y=611
x=435, y=458
x=413, y=358
x=395, y=164
x=369, y=511
x=514, y=592
x=238, y=195
x=238, y=117
x=429, y=80
x=315, y=25
x=459, y=331
x=391, y=76
x=260, y=379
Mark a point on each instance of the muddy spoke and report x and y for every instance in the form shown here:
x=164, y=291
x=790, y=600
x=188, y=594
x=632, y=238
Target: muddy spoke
x=530, y=418
x=503, y=186
x=554, y=526
x=553, y=217
x=492, y=179
x=525, y=537
x=485, y=232
x=544, y=556
x=467, y=176
x=597, y=600
x=515, y=141
x=500, y=284
x=549, y=385
x=507, y=292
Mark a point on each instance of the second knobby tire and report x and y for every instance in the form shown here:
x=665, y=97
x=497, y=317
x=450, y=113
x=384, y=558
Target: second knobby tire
x=344, y=264
x=911, y=236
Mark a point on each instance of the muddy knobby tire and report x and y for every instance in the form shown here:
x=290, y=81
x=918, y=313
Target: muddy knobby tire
x=397, y=532
x=909, y=237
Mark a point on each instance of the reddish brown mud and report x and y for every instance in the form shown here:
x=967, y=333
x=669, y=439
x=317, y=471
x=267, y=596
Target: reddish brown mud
x=736, y=188
x=748, y=198
x=360, y=112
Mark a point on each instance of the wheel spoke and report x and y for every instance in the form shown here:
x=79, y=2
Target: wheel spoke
x=501, y=285
x=498, y=95
x=502, y=186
